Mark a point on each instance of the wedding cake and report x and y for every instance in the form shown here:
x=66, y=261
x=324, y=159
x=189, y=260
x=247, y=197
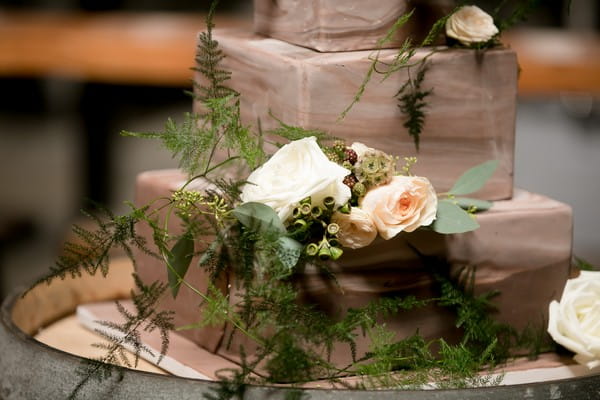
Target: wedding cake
x=304, y=66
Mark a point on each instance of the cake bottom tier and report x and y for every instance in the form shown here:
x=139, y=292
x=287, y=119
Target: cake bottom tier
x=522, y=250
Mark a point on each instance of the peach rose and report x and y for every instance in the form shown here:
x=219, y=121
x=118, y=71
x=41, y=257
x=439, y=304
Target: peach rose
x=356, y=229
x=404, y=204
x=471, y=25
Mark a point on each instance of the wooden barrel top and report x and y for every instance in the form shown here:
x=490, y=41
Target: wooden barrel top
x=46, y=367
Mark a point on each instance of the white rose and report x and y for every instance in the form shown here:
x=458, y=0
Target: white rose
x=404, y=204
x=470, y=24
x=575, y=321
x=357, y=229
x=298, y=170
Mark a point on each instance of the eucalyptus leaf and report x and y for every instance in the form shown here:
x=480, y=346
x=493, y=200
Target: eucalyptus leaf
x=289, y=251
x=179, y=260
x=259, y=218
x=453, y=219
x=467, y=202
x=474, y=179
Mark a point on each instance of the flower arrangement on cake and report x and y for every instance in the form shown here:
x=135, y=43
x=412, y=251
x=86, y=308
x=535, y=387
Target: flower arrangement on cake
x=260, y=209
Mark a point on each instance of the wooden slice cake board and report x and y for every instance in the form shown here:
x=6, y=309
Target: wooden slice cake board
x=77, y=333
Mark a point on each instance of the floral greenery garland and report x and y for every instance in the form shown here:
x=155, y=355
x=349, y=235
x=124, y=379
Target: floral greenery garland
x=466, y=26
x=266, y=244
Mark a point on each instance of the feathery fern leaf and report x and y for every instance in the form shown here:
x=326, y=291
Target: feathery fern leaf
x=411, y=101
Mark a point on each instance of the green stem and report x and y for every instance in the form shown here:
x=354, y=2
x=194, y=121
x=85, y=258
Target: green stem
x=229, y=318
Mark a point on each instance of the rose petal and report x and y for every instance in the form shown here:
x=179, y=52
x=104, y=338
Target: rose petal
x=298, y=170
x=575, y=321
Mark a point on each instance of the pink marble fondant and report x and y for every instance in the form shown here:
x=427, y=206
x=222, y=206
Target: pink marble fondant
x=522, y=249
x=331, y=25
x=470, y=116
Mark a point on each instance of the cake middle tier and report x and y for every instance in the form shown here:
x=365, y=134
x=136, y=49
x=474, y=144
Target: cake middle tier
x=469, y=115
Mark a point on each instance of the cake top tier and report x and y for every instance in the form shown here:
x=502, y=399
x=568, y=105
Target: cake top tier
x=333, y=25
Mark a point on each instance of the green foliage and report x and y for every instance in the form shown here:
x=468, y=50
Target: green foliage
x=288, y=251
x=178, y=261
x=468, y=203
x=411, y=101
x=582, y=264
x=436, y=29
x=198, y=138
x=215, y=309
x=400, y=22
x=259, y=218
x=232, y=382
x=208, y=60
x=95, y=371
x=91, y=252
x=292, y=133
x=450, y=218
x=451, y=215
x=473, y=179
x=126, y=336
x=405, y=52
x=411, y=97
x=218, y=127
x=520, y=11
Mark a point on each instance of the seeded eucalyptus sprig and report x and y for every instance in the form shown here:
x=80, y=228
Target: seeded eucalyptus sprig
x=313, y=225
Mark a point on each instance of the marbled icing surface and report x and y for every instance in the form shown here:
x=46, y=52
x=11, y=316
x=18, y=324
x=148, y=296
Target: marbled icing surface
x=331, y=25
x=470, y=117
x=522, y=249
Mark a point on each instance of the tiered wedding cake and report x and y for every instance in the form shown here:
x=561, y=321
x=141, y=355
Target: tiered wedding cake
x=304, y=66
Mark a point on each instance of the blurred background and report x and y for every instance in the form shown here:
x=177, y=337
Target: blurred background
x=74, y=73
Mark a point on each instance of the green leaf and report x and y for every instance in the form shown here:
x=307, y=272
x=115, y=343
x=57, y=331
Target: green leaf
x=453, y=219
x=467, y=202
x=259, y=218
x=474, y=179
x=289, y=251
x=582, y=264
x=179, y=260
x=209, y=253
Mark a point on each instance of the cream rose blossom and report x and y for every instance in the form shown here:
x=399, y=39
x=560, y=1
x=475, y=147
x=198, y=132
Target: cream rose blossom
x=357, y=229
x=298, y=170
x=574, y=322
x=404, y=204
x=469, y=25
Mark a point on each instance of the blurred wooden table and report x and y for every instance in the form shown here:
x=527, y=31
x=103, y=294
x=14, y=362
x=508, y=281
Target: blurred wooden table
x=158, y=49
x=115, y=47
x=554, y=61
